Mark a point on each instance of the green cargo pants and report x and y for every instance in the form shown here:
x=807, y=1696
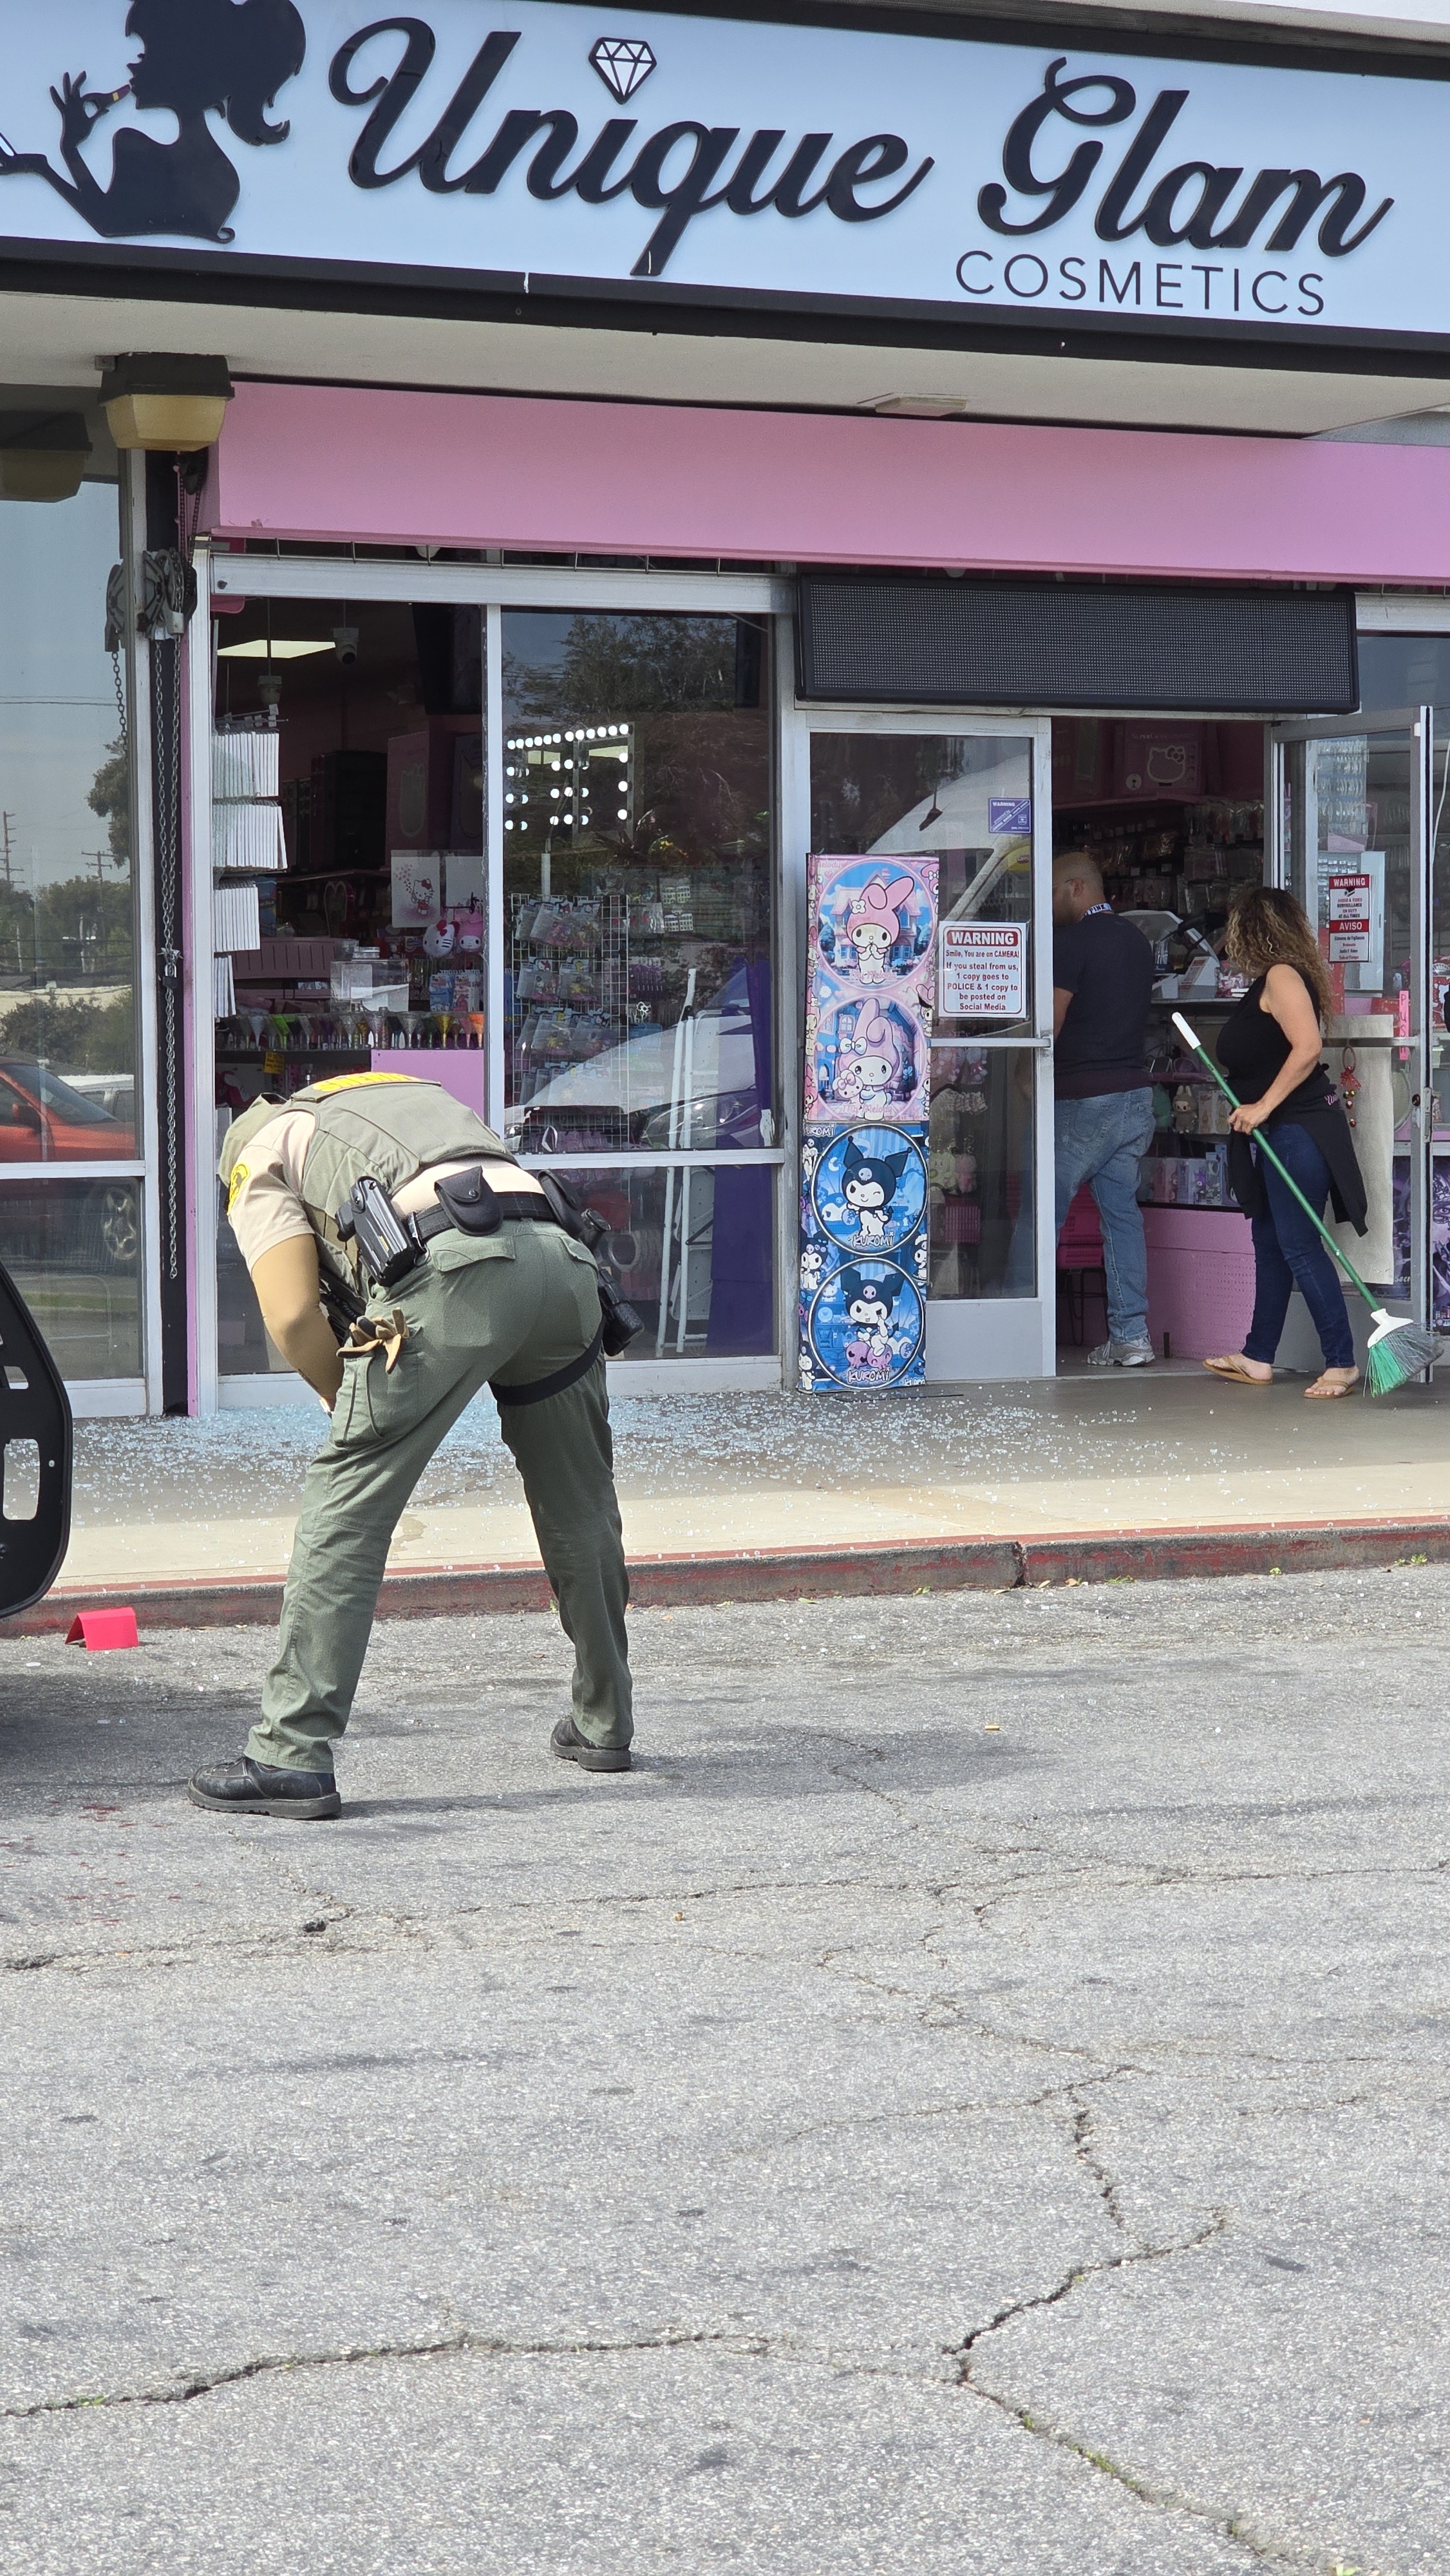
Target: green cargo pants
x=515, y=1306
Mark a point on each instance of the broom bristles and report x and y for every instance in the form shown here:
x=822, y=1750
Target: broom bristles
x=1396, y=1354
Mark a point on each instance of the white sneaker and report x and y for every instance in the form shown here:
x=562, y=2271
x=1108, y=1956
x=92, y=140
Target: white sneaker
x=1122, y=1355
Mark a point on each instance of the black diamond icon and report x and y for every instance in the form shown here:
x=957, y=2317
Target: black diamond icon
x=623, y=64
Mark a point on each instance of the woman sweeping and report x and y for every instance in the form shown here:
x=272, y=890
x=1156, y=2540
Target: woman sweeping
x=1269, y=1047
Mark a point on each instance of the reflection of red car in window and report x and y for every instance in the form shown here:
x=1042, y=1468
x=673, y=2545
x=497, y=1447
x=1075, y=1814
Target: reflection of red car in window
x=56, y=1224
x=42, y=1120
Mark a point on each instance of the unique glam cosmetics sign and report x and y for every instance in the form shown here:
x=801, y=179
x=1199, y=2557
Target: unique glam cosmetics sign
x=864, y=1235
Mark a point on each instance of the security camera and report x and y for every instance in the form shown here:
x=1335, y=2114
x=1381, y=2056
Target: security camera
x=344, y=643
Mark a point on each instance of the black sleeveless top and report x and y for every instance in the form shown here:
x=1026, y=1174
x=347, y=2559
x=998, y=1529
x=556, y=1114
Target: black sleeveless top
x=1253, y=1050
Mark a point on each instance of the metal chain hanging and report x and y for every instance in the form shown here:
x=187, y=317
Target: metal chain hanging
x=169, y=586
x=166, y=733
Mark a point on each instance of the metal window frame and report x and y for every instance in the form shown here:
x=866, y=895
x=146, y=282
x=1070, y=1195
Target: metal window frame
x=1418, y=725
x=1402, y=612
x=805, y=717
x=492, y=589
x=200, y=698
x=97, y=1397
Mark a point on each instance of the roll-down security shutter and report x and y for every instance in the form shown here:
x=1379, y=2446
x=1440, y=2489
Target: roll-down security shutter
x=932, y=641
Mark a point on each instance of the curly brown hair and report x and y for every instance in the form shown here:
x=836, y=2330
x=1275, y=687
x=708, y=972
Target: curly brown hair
x=1268, y=928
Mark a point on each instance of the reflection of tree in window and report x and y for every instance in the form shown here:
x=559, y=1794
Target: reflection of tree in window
x=701, y=785
x=76, y=932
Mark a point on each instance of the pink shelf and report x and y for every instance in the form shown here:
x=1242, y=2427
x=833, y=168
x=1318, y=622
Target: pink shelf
x=460, y=1070
x=1200, y=1279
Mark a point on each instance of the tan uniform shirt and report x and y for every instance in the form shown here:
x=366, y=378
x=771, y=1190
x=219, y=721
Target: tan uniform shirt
x=265, y=1205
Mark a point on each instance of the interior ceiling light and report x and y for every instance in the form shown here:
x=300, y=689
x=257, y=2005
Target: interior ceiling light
x=282, y=648
x=172, y=404
x=43, y=455
x=919, y=406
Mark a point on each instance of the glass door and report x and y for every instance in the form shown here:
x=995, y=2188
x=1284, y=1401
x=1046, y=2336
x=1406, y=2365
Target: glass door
x=976, y=794
x=1354, y=837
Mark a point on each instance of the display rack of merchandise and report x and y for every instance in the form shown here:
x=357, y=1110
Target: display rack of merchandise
x=604, y=975
x=1182, y=858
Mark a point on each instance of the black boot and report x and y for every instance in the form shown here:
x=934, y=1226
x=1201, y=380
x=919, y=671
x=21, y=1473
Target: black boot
x=571, y=1746
x=249, y=1788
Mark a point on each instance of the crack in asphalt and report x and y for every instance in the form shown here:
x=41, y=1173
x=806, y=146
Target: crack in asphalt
x=463, y=2340
x=1084, y=2132
x=959, y=2109
x=962, y=2352
x=1261, y=2547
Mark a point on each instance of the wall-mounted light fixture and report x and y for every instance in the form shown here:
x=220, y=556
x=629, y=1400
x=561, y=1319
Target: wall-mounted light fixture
x=175, y=405
x=43, y=455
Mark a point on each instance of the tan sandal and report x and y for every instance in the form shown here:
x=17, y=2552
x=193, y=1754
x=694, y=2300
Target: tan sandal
x=1231, y=1367
x=1325, y=1389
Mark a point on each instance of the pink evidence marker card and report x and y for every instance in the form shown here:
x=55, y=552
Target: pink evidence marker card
x=101, y=1630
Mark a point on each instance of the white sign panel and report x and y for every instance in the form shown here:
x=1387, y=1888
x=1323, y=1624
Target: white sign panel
x=982, y=970
x=1349, y=902
x=516, y=147
x=1355, y=912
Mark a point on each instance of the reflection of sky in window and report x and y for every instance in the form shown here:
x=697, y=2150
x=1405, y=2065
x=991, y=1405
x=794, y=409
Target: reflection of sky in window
x=1404, y=671
x=57, y=697
x=535, y=640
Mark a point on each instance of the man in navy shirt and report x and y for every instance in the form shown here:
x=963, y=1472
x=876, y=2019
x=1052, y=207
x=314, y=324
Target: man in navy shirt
x=1102, y=984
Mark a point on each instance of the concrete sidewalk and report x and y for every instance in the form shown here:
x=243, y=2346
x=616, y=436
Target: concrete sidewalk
x=737, y=1481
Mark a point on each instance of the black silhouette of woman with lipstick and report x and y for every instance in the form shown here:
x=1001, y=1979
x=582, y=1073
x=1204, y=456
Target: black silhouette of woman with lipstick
x=231, y=56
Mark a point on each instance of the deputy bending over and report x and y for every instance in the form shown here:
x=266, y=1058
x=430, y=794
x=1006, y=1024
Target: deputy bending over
x=517, y=1308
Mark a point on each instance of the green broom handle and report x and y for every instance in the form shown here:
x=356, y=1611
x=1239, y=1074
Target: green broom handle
x=1287, y=1178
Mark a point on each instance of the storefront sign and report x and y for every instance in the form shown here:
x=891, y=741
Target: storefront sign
x=535, y=145
x=982, y=970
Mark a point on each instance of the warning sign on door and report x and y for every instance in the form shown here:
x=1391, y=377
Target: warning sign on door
x=982, y=970
x=1349, y=919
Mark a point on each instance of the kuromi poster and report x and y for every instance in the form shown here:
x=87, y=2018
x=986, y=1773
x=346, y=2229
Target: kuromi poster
x=864, y=1256
x=864, y=1223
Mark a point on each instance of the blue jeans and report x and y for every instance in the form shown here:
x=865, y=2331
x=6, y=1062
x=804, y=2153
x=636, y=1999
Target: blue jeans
x=1288, y=1254
x=1102, y=1141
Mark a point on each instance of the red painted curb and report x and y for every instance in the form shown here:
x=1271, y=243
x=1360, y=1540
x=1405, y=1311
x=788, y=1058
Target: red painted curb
x=1175, y=1555
x=934, y=1565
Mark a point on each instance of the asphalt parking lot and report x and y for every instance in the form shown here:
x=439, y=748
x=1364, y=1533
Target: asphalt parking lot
x=972, y=2100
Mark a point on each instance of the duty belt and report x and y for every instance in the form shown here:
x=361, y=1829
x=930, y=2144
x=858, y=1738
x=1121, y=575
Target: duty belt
x=530, y=1205
x=532, y=1208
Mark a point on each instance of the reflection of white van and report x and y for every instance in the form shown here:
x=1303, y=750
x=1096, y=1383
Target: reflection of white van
x=115, y=1093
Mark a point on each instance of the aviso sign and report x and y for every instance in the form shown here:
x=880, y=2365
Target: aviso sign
x=540, y=147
